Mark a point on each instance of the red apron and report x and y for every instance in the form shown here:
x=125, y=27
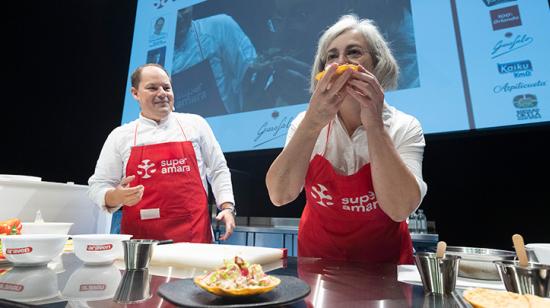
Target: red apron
x=174, y=204
x=343, y=221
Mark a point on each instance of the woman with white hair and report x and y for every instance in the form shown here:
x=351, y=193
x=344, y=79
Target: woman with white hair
x=359, y=159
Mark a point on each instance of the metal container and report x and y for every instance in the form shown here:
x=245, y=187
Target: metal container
x=438, y=274
x=533, y=279
x=135, y=287
x=477, y=263
x=138, y=253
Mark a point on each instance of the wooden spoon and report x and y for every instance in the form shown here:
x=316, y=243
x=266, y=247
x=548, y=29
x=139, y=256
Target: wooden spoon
x=441, y=247
x=519, y=246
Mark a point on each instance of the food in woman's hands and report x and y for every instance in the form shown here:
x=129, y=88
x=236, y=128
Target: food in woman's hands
x=237, y=278
x=339, y=70
x=485, y=298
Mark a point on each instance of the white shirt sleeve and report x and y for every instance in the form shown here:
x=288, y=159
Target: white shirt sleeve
x=216, y=166
x=108, y=172
x=411, y=149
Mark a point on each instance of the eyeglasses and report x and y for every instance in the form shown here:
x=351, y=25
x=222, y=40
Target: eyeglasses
x=354, y=53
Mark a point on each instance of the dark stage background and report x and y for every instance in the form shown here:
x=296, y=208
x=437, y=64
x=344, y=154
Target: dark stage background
x=64, y=89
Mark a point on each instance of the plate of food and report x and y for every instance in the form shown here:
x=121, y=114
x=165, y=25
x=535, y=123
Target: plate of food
x=236, y=283
x=485, y=298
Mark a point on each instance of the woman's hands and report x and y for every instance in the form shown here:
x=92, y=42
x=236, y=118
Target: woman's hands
x=367, y=91
x=327, y=98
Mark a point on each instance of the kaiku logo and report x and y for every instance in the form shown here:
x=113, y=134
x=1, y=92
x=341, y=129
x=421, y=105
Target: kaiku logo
x=320, y=193
x=526, y=103
x=18, y=251
x=92, y=287
x=519, y=68
x=495, y=2
x=505, y=18
x=5, y=286
x=508, y=88
x=271, y=131
x=145, y=166
x=99, y=247
x=510, y=43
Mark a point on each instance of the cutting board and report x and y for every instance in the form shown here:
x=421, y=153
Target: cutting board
x=211, y=256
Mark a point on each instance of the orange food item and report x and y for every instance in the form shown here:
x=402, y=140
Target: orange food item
x=485, y=298
x=339, y=70
x=10, y=226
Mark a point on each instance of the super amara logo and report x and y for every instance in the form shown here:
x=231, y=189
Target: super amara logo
x=518, y=69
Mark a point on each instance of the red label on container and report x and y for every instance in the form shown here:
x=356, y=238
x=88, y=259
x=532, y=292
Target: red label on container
x=11, y=287
x=92, y=287
x=18, y=251
x=99, y=247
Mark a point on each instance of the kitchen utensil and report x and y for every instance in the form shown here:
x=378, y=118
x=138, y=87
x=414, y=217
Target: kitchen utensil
x=519, y=246
x=32, y=249
x=95, y=249
x=134, y=287
x=533, y=278
x=541, y=251
x=438, y=275
x=477, y=263
x=441, y=247
x=138, y=252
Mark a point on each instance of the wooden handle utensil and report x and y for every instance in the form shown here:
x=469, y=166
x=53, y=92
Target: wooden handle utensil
x=519, y=246
x=441, y=247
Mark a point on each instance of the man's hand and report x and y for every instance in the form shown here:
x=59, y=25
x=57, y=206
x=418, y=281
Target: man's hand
x=123, y=194
x=227, y=216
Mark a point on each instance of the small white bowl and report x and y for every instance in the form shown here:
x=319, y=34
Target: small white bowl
x=27, y=284
x=92, y=283
x=97, y=249
x=32, y=249
x=542, y=251
x=46, y=227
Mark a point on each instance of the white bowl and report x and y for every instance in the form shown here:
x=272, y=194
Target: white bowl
x=542, y=251
x=45, y=227
x=20, y=178
x=32, y=249
x=92, y=283
x=27, y=284
x=99, y=248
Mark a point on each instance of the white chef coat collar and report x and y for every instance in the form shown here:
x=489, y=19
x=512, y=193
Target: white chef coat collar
x=148, y=121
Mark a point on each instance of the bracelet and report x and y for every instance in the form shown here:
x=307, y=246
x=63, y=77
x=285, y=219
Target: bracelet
x=232, y=209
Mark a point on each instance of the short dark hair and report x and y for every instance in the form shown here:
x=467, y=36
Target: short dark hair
x=136, y=75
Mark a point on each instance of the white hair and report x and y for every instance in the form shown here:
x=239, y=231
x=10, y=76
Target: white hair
x=386, y=69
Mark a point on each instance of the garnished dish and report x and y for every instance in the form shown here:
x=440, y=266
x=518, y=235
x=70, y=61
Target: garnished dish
x=9, y=227
x=339, y=70
x=237, y=278
x=485, y=298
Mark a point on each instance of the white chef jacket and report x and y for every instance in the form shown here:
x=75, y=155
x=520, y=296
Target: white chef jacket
x=348, y=154
x=111, y=165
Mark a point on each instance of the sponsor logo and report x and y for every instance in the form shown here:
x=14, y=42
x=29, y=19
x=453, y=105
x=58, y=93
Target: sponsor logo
x=505, y=17
x=18, y=251
x=145, y=166
x=92, y=287
x=510, y=43
x=177, y=165
x=5, y=286
x=518, y=69
x=362, y=204
x=508, y=88
x=495, y=2
x=320, y=193
x=273, y=129
x=526, y=103
x=99, y=247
